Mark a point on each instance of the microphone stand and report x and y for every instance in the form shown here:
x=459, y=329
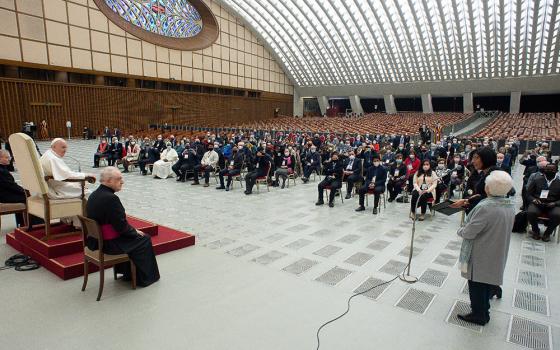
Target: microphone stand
x=405, y=276
x=77, y=161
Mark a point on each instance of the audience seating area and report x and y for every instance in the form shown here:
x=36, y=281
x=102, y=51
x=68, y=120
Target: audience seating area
x=527, y=126
x=377, y=123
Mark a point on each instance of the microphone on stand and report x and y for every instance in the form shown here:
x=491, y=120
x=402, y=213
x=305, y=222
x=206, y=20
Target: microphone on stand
x=77, y=161
x=405, y=275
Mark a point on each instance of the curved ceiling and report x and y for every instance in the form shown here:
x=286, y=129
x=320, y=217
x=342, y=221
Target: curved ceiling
x=356, y=42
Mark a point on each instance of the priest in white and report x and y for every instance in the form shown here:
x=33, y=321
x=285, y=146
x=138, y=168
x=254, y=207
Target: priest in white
x=162, y=168
x=54, y=165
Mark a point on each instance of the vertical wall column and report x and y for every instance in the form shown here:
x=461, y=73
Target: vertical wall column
x=356, y=104
x=427, y=103
x=298, y=104
x=323, y=103
x=468, y=102
x=390, y=104
x=515, y=102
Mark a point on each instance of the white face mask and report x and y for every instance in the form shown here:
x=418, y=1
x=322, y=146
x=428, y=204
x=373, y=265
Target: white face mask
x=352, y=157
x=441, y=166
x=426, y=168
x=376, y=163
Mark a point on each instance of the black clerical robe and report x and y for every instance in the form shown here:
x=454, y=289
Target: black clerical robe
x=105, y=207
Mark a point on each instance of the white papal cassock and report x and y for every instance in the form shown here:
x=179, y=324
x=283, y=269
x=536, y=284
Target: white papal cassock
x=53, y=165
x=162, y=168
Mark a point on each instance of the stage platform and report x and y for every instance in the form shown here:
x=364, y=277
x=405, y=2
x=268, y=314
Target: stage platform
x=64, y=256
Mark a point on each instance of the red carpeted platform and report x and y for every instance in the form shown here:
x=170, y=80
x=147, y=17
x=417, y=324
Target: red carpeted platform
x=64, y=257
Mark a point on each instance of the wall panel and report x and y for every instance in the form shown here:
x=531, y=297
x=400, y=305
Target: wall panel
x=126, y=108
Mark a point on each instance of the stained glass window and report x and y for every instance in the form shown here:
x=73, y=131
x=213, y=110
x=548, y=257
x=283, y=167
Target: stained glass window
x=171, y=18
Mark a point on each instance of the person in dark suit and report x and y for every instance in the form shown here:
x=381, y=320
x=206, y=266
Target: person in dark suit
x=107, y=132
x=259, y=168
x=501, y=164
x=333, y=170
x=119, y=237
x=352, y=172
x=10, y=191
x=397, y=178
x=312, y=163
x=188, y=160
x=543, y=194
x=233, y=168
x=148, y=155
x=115, y=151
x=376, y=177
x=159, y=145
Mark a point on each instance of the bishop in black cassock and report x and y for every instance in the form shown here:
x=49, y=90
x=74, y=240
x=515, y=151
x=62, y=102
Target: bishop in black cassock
x=105, y=207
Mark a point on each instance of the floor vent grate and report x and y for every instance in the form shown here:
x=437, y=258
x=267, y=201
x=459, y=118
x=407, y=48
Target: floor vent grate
x=460, y=308
x=393, y=267
x=300, y=266
x=416, y=300
x=269, y=257
x=375, y=293
x=531, y=278
x=433, y=277
x=359, y=259
x=529, y=334
x=530, y=301
x=243, y=250
x=333, y=276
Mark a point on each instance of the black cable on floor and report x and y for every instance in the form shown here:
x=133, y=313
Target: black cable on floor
x=348, y=305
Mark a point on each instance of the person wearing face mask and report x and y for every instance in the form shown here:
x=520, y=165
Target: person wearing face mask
x=500, y=164
x=397, y=178
x=102, y=152
x=159, y=145
x=115, y=152
x=333, y=171
x=352, y=173
x=162, y=168
x=185, y=164
x=233, y=168
x=543, y=194
x=132, y=153
x=412, y=165
x=259, y=169
x=286, y=168
x=312, y=163
x=444, y=177
x=376, y=177
x=208, y=165
x=148, y=155
x=425, y=182
x=388, y=158
x=457, y=174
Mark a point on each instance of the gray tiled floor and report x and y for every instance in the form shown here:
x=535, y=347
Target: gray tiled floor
x=250, y=282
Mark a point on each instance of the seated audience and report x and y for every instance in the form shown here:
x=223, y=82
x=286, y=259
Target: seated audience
x=234, y=167
x=352, y=172
x=208, y=164
x=132, y=153
x=115, y=151
x=425, y=183
x=162, y=168
x=102, y=152
x=543, y=194
x=312, y=163
x=412, y=165
x=444, y=177
x=186, y=164
x=260, y=167
x=148, y=155
x=286, y=168
x=333, y=171
x=501, y=164
x=397, y=178
x=119, y=237
x=376, y=176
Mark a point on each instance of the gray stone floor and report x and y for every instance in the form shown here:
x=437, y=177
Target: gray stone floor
x=269, y=269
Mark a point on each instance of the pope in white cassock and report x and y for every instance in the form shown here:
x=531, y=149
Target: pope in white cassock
x=162, y=168
x=53, y=165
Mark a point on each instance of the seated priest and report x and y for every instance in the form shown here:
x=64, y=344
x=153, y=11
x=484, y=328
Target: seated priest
x=115, y=151
x=10, y=191
x=333, y=170
x=102, y=152
x=54, y=165
x=397, y=177
x=119, y=237
x=260, y=168
x=208, y=164
x=132, y=154
x=233, y=168
x=543, y=195
x=376, y=177
x=352, y=172
x=312, y=163
x=162, y=168
x=186, y=163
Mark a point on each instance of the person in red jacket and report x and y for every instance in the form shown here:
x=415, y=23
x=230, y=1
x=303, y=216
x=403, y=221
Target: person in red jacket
x=412, y=165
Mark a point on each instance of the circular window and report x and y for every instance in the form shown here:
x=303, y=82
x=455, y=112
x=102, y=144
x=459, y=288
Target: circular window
x=177, y=24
